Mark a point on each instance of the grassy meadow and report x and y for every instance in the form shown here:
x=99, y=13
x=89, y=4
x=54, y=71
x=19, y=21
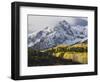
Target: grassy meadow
x=59, y=55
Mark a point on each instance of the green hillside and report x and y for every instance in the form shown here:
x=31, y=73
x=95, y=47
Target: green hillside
x=59, y=55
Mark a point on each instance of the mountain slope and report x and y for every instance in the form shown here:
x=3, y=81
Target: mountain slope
x=61, y=33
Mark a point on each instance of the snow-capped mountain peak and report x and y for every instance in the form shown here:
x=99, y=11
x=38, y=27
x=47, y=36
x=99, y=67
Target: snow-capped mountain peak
x=61, y=33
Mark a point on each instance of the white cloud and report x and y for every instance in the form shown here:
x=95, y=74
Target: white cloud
x=38, y=22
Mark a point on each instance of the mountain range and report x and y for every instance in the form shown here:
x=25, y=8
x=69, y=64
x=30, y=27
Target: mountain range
x=61, y=33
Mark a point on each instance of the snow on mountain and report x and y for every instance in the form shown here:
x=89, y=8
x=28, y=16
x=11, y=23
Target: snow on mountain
x=61, y=33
